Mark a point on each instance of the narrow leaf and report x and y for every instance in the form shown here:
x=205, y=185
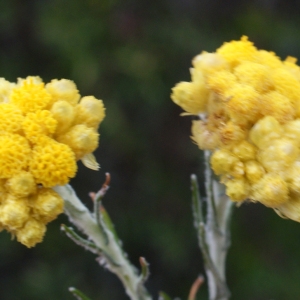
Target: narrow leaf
x=196, y=202
x=145, y=269
x=78, y=294
x=86, y=244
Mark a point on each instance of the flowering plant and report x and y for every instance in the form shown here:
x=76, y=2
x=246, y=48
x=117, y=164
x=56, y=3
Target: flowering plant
x=247, y=121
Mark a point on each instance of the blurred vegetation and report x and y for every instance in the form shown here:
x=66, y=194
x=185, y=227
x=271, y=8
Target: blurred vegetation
x=130, y=54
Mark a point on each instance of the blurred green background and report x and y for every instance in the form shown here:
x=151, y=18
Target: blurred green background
x=130, y=54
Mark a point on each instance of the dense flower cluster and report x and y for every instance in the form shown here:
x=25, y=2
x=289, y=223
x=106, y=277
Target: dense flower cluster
x=44, y=130
x=248, y=103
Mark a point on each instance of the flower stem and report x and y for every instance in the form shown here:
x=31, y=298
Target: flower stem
x=213, y=230
x=112, y=255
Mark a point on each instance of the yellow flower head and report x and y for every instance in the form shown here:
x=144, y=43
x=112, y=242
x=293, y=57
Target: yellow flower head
x=44, y=130
x=250, y=120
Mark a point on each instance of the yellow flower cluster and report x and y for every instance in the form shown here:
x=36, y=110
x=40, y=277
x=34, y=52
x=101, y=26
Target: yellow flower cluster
x=44, y=130
x=248, y=104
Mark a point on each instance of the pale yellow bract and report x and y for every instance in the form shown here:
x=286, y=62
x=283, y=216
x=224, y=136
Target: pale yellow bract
x=44, y=130
x=248, y=103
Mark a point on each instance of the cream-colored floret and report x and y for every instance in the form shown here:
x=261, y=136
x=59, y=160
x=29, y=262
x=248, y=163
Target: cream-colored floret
x=81, y=139
x=22, y=184
x=64, y=113
x=279, y=155
x=264, y=131
x=14, y=212
x=46, y=205
x=90, y=111
x=237, y=189
x=271, y=190
x=190, y=96
x=31, y=233
x=63, y=90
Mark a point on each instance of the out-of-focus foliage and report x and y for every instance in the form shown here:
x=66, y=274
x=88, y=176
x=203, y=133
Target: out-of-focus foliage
x=130, y=54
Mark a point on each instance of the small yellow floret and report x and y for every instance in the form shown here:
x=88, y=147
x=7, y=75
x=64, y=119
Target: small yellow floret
x=286, y=83
x=244, y=151
x=81, y=139
x=220, y=81
x=271, y=191
x=30, y=96
x=254, y=170
x=235, y=52
x=223, y=161
x=22, y=184
x=14, y=154
x=46, y=205
x=5, y=90
x=291, y=130
x=292, y=178
x=291, y=66
x=276, y=105
x=190, y=96
x=254, y=74
x=52, y=163
x=237, y=189
x=204, y=138
x=237, y=170
x=279, y=155
x=63, y=89
x=11, y=118
x=32, y=233
x=14, y=212
x=63, y=113
x=37, y=124
x=264, y=131
x=290, y=209
x=90, y=111
x=231, y=133
x=243, y=104
x=268, y=58
x=209, y=62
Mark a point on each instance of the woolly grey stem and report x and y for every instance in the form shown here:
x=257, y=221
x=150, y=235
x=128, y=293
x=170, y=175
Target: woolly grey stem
x=113, y=257
x=213, y=230
x=218, y=215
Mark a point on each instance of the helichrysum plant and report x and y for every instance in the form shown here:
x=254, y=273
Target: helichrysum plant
x=246, y=109
x=44, y=131
x=247, y=120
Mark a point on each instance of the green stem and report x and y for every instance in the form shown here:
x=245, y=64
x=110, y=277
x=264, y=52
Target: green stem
x=113, y=256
